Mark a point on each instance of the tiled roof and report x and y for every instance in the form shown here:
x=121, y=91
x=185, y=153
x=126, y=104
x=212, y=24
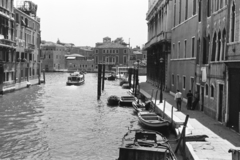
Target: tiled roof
x=111, y=45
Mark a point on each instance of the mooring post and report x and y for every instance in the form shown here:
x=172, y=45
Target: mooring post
x=182, y=137
x=134, y=80
x=152, y=94
x=39, y=77
x=103, y=78
x=44, y=80
x=130, y=78
x=99, y=81
x=136, y=86
x=164, y=105
x=155, y=100
x=172, y=116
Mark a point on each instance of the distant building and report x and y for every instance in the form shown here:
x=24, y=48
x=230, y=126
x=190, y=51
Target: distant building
x=85, y=51
x=111, y=53
x=53, y=57
x=77, y=62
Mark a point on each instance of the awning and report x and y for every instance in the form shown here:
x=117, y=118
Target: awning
x=71, y=58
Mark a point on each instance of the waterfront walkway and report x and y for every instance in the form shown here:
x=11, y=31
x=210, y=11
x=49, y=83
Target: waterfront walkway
x=220, y=138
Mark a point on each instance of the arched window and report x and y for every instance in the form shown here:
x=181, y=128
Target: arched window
x=223, y=44
x=219, y=46
x=214, y=47
x=232, y=23
x=198, y=50
x=205, y=53
x=206, y=90
x=199, y=10
x=212, y=91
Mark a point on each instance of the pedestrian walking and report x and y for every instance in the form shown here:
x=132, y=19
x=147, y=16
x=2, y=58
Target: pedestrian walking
x=178, y=99
x=189, y=99
x=196, y=100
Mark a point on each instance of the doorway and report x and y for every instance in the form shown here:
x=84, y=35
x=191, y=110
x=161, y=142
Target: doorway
x=220, y=103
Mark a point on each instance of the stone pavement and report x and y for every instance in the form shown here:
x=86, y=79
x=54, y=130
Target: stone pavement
x=220, y=138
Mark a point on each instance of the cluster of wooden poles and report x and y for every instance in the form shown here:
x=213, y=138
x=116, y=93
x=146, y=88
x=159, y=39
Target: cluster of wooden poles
x=133, y=72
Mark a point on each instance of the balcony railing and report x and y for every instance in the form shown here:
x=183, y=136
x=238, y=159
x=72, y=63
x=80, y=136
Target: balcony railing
x=163, y=36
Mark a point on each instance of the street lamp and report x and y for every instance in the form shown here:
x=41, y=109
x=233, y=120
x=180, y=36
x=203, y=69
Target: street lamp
x=161, y=78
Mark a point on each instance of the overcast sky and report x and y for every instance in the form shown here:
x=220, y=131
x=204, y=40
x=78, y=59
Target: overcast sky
x=85, y=22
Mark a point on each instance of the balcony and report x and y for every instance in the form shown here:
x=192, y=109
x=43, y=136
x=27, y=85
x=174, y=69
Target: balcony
x=9, y=66
x=29, y=48
x=162, y=36
x=7, y=42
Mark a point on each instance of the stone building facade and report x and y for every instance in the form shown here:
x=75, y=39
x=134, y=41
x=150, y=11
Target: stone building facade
x=53, y=57
x=204, y=55
x=27, y=48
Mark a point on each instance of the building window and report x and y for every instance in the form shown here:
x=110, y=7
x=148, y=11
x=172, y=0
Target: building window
x=174, y=19
x=206, y=90
x=179, y=47
x=199, y=10
x=180, y=10
x=178, y=82
x=113, y=51
x=49, y=56
x=96, y=51
x=124, y=59
x=173, y=79
x=191, y=83
x=116, y=51
x=186, y=10
x=117, y=59
x=208, y=8
x=185, y=48
x=194, y=7
x=125, y=51
x=232, y=22
x=104, y=51
x=184, y=82
x=214, y=47
x=193, y=46
x=212, y=91
x=173, y=50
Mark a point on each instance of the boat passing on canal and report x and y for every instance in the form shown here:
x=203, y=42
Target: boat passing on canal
x=76, y=78
x=151, y=119
x=145, y=144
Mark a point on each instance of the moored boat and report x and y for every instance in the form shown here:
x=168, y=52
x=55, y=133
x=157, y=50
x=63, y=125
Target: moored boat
x=127, y=100
x=151, y=119
x=145, y=144
x=138, y=106
x=76, y=78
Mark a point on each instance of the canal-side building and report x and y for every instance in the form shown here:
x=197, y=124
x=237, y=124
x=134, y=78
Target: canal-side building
x=112, y=54
x=78, y=62
x=211, y=54
x=232, y=72
x=158, y=45
x=7, y=46
x=28, y=39
x=53, y=57
x=83, y=50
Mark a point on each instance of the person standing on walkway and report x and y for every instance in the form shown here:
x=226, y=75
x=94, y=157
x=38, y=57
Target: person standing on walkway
x=178, y=99
x=189, y=98
x=196, y=100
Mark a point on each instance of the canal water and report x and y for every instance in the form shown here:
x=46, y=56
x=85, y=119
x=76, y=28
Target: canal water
x=55, y=121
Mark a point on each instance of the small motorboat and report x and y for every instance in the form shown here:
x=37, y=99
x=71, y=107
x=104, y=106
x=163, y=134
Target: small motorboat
x=145, y=144
x=127, y=100
x=76, y=78
x=111, y=78
x=151, y=119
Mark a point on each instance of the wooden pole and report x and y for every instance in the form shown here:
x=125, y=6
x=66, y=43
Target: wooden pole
x=152, y=94
x=134, y=80
x=164, y=105
x=182, y=137
x=103, y=78
x=172, y=115
x=99, y=81
x=155, y=100
x=44, y=80
x=130, y=77
x=136, y=86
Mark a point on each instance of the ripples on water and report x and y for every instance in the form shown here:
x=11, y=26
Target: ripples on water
x=55, y=121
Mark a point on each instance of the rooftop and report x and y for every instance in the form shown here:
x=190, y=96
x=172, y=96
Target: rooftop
x=111, y=45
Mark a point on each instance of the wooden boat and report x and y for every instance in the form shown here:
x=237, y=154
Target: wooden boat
x=145, y=144
x=151, y=119
x=111, y=78
x=126, y=100
x=76, y=78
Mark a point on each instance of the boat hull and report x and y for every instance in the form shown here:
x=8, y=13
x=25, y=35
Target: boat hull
x=127, y=100
x=75, y=83
x=152, y=120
